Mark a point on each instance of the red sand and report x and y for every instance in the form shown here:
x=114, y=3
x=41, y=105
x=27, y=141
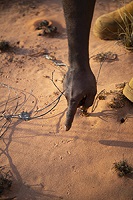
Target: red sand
x=46, y=161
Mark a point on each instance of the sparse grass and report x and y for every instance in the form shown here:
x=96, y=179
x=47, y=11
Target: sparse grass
x=126, y=35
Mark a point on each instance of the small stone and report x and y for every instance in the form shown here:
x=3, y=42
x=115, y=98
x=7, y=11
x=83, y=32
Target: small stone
x=122, y=120
x=39, y=34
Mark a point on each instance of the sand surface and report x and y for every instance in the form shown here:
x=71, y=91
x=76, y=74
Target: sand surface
x=48, y=163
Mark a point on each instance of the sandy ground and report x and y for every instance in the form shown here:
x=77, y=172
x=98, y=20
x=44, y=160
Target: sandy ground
x=46, y=161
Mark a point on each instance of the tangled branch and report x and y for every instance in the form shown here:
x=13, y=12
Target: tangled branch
x=16, y=112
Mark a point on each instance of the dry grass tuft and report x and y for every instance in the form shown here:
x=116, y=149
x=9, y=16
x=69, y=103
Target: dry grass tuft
x=126, y=35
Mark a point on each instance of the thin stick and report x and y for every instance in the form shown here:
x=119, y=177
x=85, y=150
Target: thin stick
x=47, y=111
x=95, y=101
x=54, y=83
x=25, y=100
x=7, y=99
x=5, y=129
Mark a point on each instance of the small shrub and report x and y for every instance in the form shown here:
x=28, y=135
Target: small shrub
x=4, y=45
x=122, y=168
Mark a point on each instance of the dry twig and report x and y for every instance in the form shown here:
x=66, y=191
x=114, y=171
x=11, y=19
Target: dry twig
x=17, y=112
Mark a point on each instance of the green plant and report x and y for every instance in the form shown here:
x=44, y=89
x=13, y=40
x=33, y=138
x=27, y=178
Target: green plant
x=123, y=168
